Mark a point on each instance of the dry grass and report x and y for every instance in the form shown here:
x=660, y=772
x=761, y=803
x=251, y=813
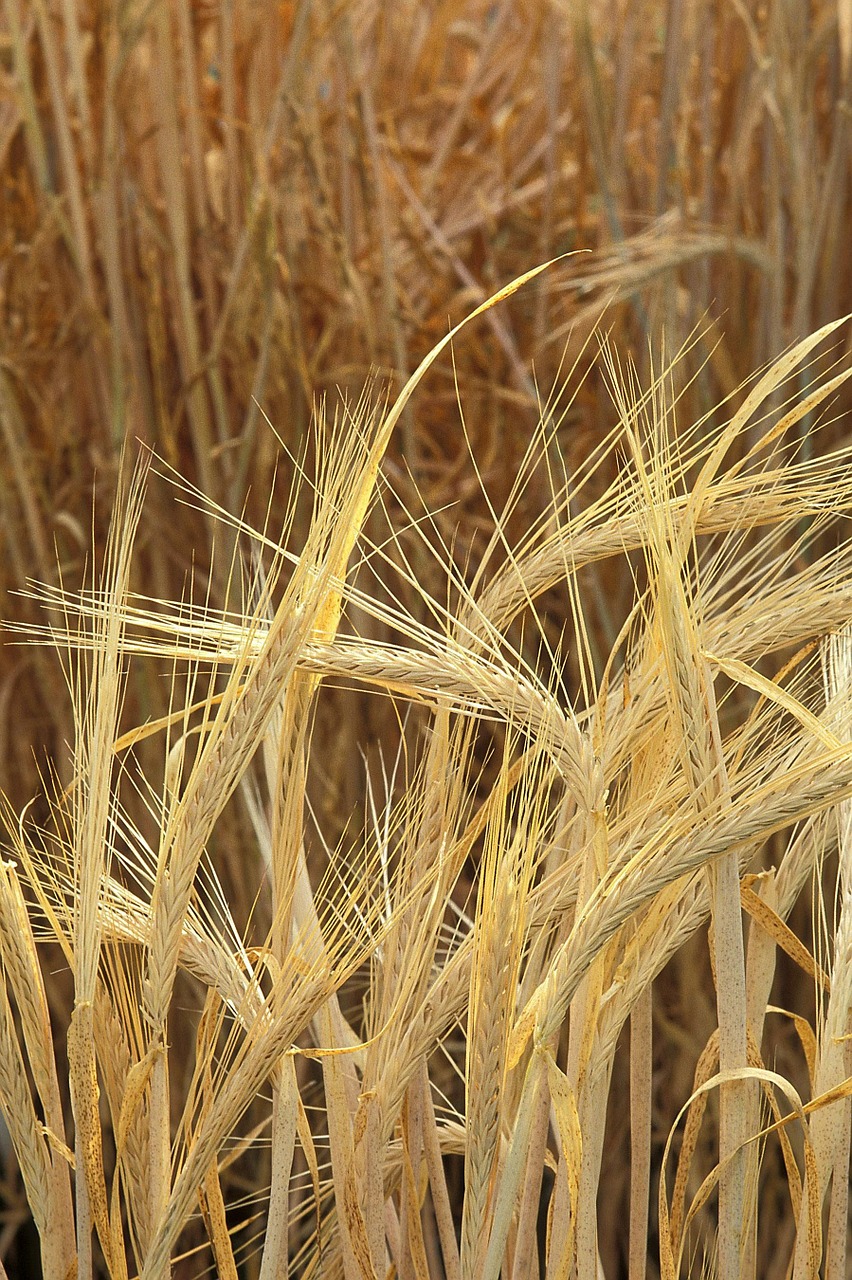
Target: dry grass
x=440, y=818
x=214, y=212
x=457, y=979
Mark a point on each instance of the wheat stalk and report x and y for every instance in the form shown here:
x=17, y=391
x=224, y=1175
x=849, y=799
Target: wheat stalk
x=529, y=861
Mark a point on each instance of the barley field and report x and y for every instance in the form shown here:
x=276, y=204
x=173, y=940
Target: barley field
x=426, y=666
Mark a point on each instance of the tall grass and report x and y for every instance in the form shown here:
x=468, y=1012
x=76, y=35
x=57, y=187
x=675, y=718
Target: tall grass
x=404, y=1063
x=209, y=209
x=439, y=696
